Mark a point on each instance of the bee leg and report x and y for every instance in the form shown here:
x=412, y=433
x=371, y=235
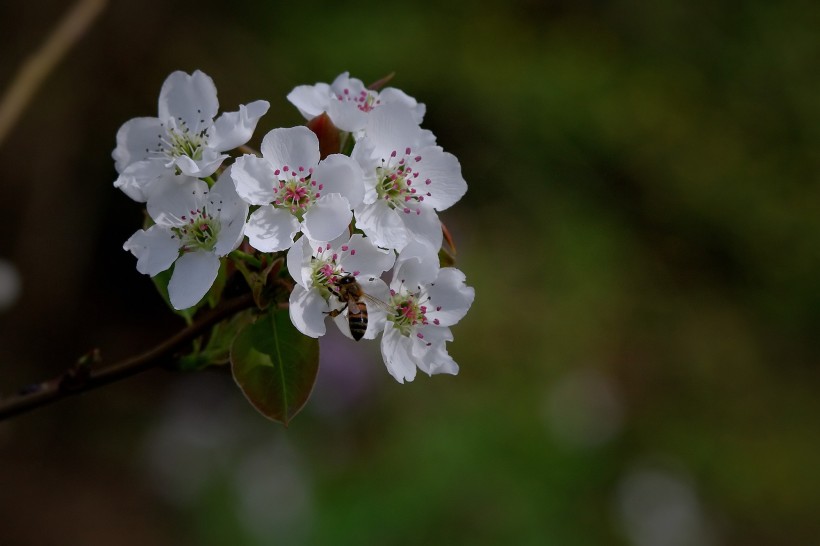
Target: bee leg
x=335, y=312
x=336, y=293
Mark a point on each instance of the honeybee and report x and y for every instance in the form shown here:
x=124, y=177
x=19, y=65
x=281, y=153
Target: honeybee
x=350, y=292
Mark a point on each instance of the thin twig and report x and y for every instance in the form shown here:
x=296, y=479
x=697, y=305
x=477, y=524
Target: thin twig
x=38, y=65
x=245, y=149
x=81, y=378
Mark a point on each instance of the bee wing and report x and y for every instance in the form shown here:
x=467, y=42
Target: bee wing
x=378, y=303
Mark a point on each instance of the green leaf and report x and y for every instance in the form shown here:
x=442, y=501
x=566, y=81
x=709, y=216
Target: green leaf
x=275, y=366
x=258, y=276
x=217, y=349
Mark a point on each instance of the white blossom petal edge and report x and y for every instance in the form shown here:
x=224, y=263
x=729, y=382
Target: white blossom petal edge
x=347, y=101
x=423, y=304
x=407, y=179
x=196, y=228
x=184, y=137
x=296, y=191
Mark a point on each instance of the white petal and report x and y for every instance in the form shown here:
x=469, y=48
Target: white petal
x=444, y=172
x=231, y=234
x=232, y=212
x=434, y=335
x=254, y=179
x=424, y=225
x=308, y=310
x=431, y=353
x=233, y=129
x=344, y=81
x=137, y=178
x=346, y=115
x=392, y=127
x=137, y=140
x=450, y=297
x=426, y=139
x=230, y=202
x=364, y=154
x=340, y=174
x=190, y=97
x=341, y=320
x=366, y=258
x=391, y=94
x=194, y=274
x=417, y=264
x=298, y=262
x=382, y=224
x=172, y=198
x=293, y=147
x=200, y=168
x=154, y=248
x=311, y=100
x=397, y=354
x=271, y=230
x=343, y=108
x=440, y=361
x=327, y=218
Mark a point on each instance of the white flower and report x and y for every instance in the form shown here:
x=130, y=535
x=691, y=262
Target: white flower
x=407, y=179
x=296, y=191
x=193, y=230
x=347, y=101
x=318, y=267
x=184, y=137
x=424, y=301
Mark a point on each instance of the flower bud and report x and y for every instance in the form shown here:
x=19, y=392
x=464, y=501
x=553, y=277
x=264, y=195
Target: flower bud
x=328, y=134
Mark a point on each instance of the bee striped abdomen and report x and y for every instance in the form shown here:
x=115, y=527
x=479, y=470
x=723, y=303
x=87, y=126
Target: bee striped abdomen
x=357, y=320
x=349, y=292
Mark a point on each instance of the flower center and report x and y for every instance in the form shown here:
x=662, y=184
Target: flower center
x=396, y=177
x=325, y=268
x=365, y=100
x=296, y=192
x=181, y=140
x=325, y=273
x=183, y=143
x=199, y=232
x=409, y=312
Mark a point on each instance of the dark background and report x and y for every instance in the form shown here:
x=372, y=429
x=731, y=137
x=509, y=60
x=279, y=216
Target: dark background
x=641, y=228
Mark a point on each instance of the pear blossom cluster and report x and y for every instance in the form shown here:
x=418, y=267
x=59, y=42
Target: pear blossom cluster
x=370, y=213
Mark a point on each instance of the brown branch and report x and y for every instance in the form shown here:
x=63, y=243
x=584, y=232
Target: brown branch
x=81, y=377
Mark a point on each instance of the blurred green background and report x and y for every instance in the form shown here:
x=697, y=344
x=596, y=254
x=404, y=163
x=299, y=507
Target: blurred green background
x=640, y=366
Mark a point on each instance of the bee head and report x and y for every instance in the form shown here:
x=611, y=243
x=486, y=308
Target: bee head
x=346, y=280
